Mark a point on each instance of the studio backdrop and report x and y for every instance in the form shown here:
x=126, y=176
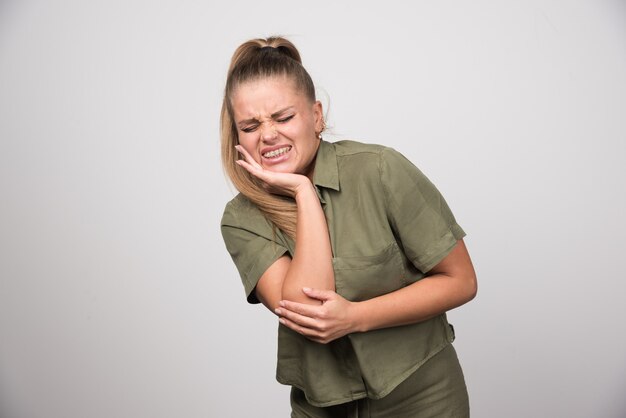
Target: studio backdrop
x=117, y=296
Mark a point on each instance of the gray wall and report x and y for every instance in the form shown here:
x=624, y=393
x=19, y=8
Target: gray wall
x=117, y=297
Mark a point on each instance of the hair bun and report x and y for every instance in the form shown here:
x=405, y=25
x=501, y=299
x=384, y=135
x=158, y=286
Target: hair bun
x=280, y=45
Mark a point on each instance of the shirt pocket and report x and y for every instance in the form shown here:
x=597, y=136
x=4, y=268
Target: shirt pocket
x=364, y=277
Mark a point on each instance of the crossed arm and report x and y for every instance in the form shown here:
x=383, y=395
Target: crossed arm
x=301, y=290
x=450, y=284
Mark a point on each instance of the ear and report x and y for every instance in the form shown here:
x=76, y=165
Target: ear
x=319, y=116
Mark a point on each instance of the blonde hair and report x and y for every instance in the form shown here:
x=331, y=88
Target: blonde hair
x=253, y=60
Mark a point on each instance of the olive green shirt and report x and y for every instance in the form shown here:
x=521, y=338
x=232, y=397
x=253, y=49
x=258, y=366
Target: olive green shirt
x=388, y=226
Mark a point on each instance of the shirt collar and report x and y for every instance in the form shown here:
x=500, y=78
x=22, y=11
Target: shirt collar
x=326, y=173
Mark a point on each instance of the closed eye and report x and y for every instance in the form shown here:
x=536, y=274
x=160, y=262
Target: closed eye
x=249, y=129
x=285, y=119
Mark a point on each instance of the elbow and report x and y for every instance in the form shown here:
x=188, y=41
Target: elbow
x=292, y=287
x=293, y=294
x=466, y=288
x=472, y=287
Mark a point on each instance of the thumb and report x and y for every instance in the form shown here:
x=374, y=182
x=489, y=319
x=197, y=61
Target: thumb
x=322, y=295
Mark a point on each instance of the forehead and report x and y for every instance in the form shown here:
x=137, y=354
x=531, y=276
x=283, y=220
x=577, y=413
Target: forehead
x=265, y=96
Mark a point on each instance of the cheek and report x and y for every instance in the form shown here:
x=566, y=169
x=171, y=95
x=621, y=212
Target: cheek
x=249, y=145
x=300, y=133
x=245, y=140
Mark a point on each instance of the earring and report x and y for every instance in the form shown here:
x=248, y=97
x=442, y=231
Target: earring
x=319, y=135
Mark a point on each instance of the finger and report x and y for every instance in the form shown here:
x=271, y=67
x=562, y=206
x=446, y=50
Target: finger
x=252, y=166
x=310, y=334
x=247, y=166
x=302, y=320
x=312, y=311
x=255, y=171
x=247, y=157
x=322, y=295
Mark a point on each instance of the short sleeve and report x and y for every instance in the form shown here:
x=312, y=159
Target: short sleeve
x=251, y=252
x=417, y=212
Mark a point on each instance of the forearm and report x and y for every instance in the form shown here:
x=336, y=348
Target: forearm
x=311, y=265
x=417, y=302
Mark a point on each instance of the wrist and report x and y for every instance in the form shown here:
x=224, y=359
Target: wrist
x=359, y=317
x=304, y=191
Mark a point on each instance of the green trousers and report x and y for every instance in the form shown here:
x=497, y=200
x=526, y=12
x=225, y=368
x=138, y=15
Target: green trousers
x=436, y=390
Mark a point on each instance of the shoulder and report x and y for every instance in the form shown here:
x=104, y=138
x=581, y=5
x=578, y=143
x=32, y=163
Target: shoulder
x=243, y=219
x=347, y=148
x=374, y=157
x=375, y=152
x=355, y=154
x=241, y=212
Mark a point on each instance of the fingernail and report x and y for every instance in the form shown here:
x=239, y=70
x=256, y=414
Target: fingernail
x=306, y=289
x=277, y=311
x=281, y=303
x=281, y=320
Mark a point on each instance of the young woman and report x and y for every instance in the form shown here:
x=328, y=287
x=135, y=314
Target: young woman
x=349, y=244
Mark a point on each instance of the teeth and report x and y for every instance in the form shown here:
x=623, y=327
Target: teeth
x=276, y=152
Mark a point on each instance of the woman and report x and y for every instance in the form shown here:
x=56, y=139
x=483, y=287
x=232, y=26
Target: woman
x=349, y=244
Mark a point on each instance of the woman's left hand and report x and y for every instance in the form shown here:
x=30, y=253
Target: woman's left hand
x=333, y=319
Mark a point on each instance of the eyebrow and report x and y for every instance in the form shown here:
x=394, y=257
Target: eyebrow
x=274, y=115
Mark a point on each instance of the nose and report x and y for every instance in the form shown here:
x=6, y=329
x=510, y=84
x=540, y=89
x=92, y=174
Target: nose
x=268, y=131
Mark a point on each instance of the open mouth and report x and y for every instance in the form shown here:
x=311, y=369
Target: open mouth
x=277, y=152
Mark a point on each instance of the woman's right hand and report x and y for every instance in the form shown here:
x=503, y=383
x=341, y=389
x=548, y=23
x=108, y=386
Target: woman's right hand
x=287, y=184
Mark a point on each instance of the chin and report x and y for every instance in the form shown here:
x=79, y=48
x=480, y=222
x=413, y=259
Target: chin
x=281, y=169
